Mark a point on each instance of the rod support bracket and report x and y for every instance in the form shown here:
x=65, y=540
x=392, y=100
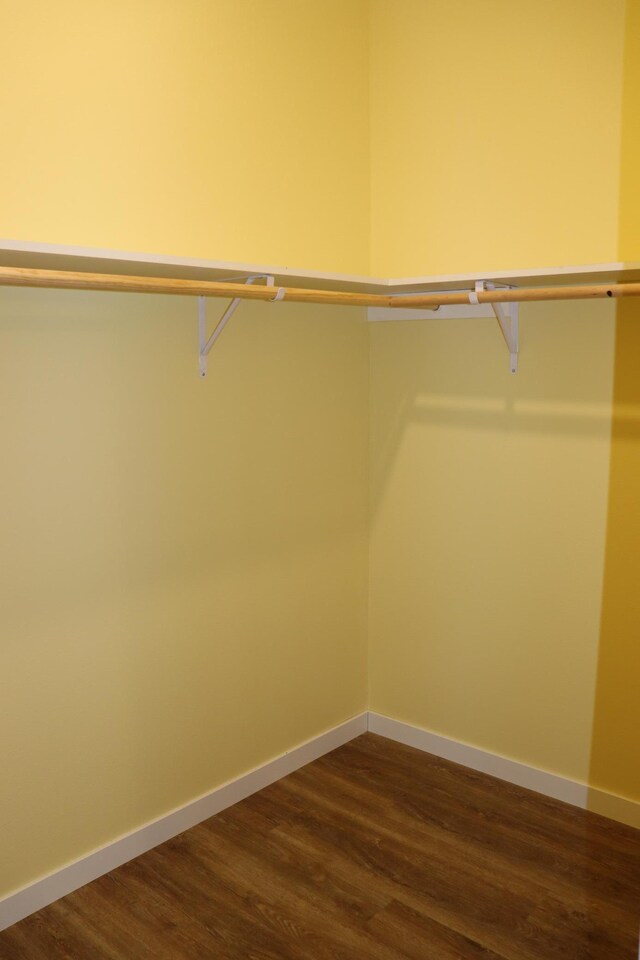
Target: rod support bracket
x=507, y=316
x=206, y=345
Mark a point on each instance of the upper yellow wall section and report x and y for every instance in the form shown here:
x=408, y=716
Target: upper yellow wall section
x=495, y=134
x=397, y=136
x=629, y=234
x=234, y=129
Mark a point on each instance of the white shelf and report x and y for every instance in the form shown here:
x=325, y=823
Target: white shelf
x=539, y=277
x=47, y=256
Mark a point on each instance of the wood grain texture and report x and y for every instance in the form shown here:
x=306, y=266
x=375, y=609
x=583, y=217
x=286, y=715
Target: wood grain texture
x=376, y=851
x=521, y=295
x=123, y=283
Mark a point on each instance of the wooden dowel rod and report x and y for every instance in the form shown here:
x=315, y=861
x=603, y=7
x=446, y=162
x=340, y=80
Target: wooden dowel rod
x=65, y=279
x=519, y=295
x=70, y=280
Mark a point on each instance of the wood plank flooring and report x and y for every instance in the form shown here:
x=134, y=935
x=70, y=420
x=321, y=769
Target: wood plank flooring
x=375, y=852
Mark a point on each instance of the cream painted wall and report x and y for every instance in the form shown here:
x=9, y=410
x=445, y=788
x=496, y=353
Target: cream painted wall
x=488, y=517
x=495, y=134
x=183, y=562
x=234, y=129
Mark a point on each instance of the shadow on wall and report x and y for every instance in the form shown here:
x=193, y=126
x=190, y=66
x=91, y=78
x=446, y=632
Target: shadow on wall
x=615, y=753
x=454, y=375
x=488, y=523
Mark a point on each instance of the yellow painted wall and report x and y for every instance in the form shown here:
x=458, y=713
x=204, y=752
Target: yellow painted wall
x=495, y=134
x=629, y=233
x=488, y=512
x=505, y=544
x=615, y=758
x=183, y=562
x=240, y=130
x=234, y=129
x=615, y=751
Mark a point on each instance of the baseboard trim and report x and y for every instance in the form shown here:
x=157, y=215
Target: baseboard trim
x=40, y=894
x=37, y=895
x=577, y=794
x=615, y=808
x=519, y=774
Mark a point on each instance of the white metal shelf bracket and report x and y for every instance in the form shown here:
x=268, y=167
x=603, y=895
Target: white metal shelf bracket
x=205, y=344
x=507, y=316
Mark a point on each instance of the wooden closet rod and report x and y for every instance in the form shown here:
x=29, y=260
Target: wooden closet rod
x=23, y=277
x=518, y=295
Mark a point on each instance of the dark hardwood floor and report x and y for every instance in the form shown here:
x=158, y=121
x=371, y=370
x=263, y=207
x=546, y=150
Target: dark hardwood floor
x=375, y=852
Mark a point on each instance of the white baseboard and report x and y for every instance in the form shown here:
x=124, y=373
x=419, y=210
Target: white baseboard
x=549, y=784
x=37, y=895
x=520, y=774
x=616, y=808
